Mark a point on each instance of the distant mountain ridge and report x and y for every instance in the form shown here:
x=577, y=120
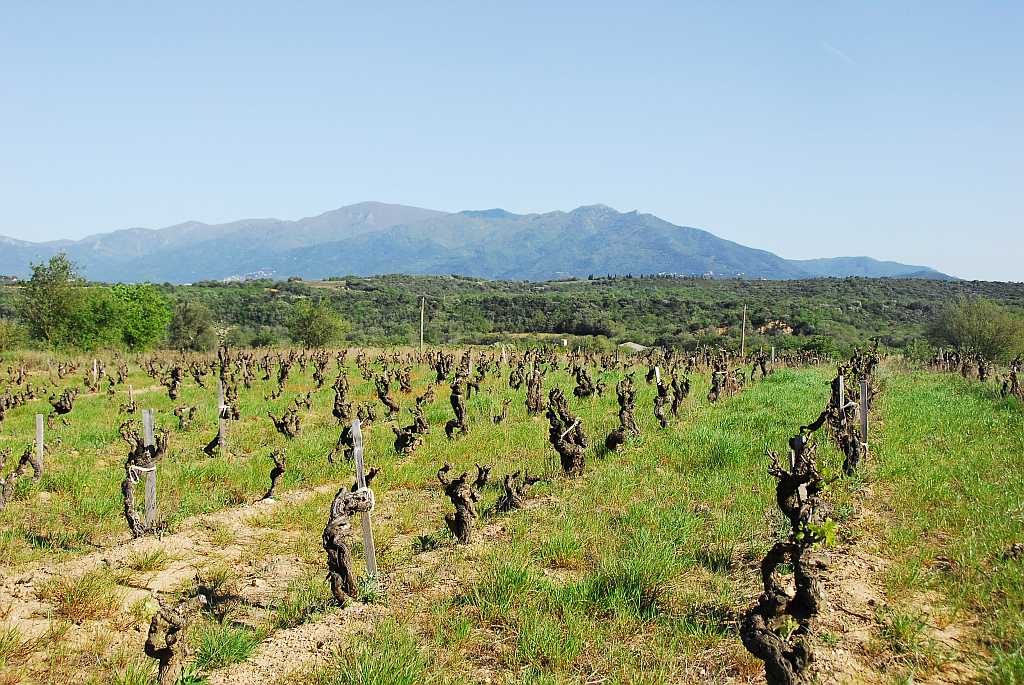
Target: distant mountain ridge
x=374, y=238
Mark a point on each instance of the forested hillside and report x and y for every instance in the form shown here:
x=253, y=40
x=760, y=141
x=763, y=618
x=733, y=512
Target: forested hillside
x=647, y=310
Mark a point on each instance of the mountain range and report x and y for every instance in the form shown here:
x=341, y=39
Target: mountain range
x=374, y=238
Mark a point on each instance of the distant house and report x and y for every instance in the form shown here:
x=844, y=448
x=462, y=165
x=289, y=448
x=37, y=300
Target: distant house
x=8, y=280
x=633, y=347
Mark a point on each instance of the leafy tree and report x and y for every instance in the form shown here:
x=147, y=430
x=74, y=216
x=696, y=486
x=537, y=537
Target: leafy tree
x=265, y=337
x=191, y=328
x=60, y=309
x=979, y=325
x=52, y=301
x=260, y=336
x=144, y=315
x=96, y=320
x=315, y=324
x=822, y=345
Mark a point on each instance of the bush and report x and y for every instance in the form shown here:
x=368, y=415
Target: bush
x=62, y=310
x=918, y=351
x=192, y=328
x=12, y=336
x=822, y=345
x=259, y=336
x=981, y=326
x=143, y=315
x=265, y=336
x=315, y=324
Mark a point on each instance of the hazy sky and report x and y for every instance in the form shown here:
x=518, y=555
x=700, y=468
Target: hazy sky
x=893, y=129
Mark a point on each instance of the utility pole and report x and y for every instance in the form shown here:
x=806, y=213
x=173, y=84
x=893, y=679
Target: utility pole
x=423, y=309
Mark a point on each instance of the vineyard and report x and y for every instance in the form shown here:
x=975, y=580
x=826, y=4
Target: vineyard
x=499, y=515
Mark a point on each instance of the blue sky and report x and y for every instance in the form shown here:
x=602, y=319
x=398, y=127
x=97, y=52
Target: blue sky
x=893, y=129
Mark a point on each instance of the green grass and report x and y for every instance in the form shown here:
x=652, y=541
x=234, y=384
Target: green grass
x=13, y=647
x=906, y=635
x=635, y=573
x=149, y=561
x=1006, y=669
x=222, y=644
x=950, y=476
x=140, y=672
x=390, y=656
x=656, y=541
x=307, y=597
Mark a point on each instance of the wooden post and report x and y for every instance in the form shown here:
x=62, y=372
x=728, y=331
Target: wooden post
x=743, y=336
x=865, y=407
x=369, y=549
x=222, y=429
x=150, y=496
x=423, y=311
x=95, y=372
x=40, y=445
x=657, y=374
x=773, y=355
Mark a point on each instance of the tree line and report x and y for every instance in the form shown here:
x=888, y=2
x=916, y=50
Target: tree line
x=57, y=308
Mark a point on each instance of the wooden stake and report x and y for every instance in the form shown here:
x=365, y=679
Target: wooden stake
x=743, y=336
x=222, y=429
x=147, y=426
x=40, y=445
x=150, y=496
x=657, y=374
x=865, y=407
x=773, y=355
x=369, y=549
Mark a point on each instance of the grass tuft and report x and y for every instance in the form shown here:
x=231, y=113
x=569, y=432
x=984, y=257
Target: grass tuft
x=89, y=597
x=391, y=656
x=13, y=648
x=149, y=561
x=219, y=645
x=308, y=596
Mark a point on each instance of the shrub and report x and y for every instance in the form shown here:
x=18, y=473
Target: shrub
x=981, y=326
x=192, y=328
x=315, y=324
x=12, y=336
